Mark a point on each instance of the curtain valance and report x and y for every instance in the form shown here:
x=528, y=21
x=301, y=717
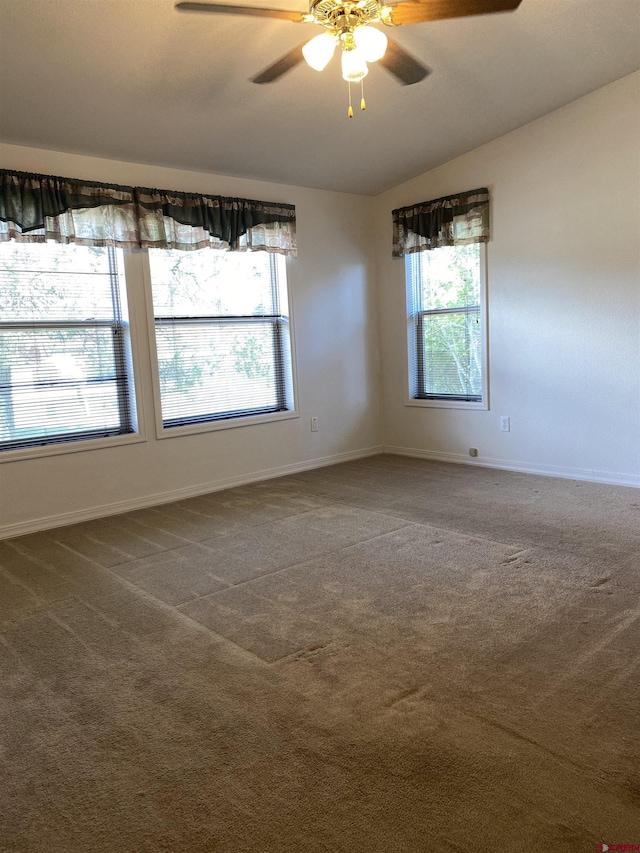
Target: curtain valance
x=35, y=208
x=448, y=221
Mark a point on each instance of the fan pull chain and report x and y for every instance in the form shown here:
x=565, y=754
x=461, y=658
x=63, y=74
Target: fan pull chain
x=363, y=104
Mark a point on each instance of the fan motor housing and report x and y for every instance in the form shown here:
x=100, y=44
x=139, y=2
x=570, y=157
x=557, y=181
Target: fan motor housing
x=338, y=16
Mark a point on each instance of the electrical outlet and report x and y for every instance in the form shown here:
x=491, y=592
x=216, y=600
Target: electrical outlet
x=473, y=451
x=505, y=424
x=314, y=424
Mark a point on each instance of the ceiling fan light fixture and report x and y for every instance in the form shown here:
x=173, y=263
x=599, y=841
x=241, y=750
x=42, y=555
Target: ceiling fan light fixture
x=349, y=24
x=319, y=50
x=371, y=42
x=354, y=65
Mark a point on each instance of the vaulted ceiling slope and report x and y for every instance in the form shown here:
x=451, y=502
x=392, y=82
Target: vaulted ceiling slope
x=137, y=80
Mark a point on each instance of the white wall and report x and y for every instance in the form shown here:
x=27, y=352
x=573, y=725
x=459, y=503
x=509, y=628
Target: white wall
x=564, y=297
x=335, y=320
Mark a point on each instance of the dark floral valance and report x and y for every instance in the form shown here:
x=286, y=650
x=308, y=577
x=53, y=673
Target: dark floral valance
x=36, y=208
x=449, y=221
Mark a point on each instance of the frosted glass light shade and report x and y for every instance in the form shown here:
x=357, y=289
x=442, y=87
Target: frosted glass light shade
x=319, y=51
x=371, y=42
x=354, y=65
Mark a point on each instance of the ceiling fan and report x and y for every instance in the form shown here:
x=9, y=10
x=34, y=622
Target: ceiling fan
x=348, y=24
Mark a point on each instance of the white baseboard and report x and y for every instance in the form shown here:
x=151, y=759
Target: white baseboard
x=66, y=518
x=610, y=477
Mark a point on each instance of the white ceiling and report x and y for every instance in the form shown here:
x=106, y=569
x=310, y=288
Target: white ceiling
x=136, y=80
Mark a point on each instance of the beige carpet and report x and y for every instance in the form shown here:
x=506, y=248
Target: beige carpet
x=386, y=656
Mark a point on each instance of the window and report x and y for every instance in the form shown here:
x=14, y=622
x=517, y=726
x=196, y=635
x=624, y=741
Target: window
x=221, y=336
x=65, y=365
x=446, y=326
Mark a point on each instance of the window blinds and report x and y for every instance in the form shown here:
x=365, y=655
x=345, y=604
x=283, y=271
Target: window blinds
x=64, y=365
x=222, y=335
x=445, y=311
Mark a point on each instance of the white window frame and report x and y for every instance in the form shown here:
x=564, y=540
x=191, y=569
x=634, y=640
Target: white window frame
x=291, y=390
x=412, y=351
x=81, y=445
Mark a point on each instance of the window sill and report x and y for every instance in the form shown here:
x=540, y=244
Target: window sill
x=70, y=447
x=229, y=423
x=481, y=406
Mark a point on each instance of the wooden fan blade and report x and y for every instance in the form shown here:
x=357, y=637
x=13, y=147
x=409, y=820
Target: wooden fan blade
x=417, y=11
x=256, y=11
x=402, y=65
x=284, y=64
